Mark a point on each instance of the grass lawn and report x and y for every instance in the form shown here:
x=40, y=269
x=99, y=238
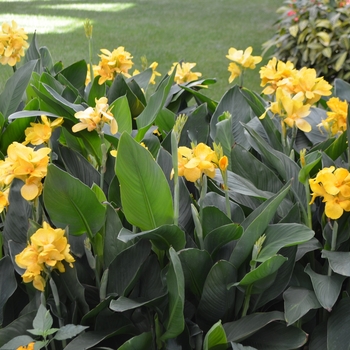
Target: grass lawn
x=165, y=31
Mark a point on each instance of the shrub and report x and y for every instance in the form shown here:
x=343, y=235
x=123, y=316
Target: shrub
x=314, y=33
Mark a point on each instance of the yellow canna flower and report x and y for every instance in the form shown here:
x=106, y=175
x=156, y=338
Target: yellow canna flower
x=336, y=121
x=223, y=163
x=95, y=118
x=4, y=199
x=39, y=133
x=234, y=70
x=155, y=74
x=184, y=73
x=12, y=43
x=112, y=63
x=30, y=346
x=334, y=186
x=47, y=249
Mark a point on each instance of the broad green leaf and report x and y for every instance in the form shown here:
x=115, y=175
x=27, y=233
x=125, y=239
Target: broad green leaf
x=15, y=87
x=213, y=218
x=76, y=74
x=327, y=288
x=123, y=304
x=162, y=237
x=342, y=89
x=224, y=138
x=43, y=321
x=142, y=79
x=145, y=194
x=236, y=346
x=318, y=338
x=220, y=236
x=297, y=302
x=69, y=331
x=254, y=226
x=154, y=106
x=338, y=335
x=196, y=265
x=233, y=102
x=217, y=300
x=283, y=235
x=8, y=283
x=265, y=269
x=125, y=269
x=30, y=113
x=96, y=91
x=202, y=98
x=243, y=328
x=310, y=164
x=17, y=342
x=139, y=342
x=70, y=202
x=215, y=337
x=121, y=111
x=175, y=322
x=339, y=261
x=277, y=336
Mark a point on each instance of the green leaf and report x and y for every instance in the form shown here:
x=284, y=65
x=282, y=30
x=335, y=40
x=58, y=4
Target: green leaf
x=121, y=111
x=297, y=302
x=327, y=288
x=70, y=202
x=283, y=235
x=76, y=74
x=243, y=328
x=162, y=237
x=96, y=91
x=254, y=226
x=338, y=335
x=17, y=342
x=43, y=321
x=175, y=322
x=154, y=106
x=8, y=283
x=217, y=300
x=196, y=265
x=145, y=194
x=277, y=336
x=69, y=331
x=267, y=268
x=215, y=337
x=15, y=87
x=139, y=342
x=142, y=79
x=339, y=261
x=236, y=346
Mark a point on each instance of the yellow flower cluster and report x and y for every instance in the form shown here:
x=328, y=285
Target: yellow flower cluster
x=39, y=133
x=334, y=186
x=95, y=118
x=295, y=91
x=12, y=43
x=337, y=117
x=47, y=250
x=30, y=346
x=241, y=60
x=26, y=164
x=184, y=72
x=193, y=163
x=113, y=63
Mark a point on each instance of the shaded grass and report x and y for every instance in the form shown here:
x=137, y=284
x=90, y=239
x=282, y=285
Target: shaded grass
x=165, y=31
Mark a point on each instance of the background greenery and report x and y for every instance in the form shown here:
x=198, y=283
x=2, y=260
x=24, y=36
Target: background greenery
x=165, y=31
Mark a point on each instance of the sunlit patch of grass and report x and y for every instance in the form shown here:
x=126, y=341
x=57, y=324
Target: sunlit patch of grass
x=43, y=24
x=97, y=7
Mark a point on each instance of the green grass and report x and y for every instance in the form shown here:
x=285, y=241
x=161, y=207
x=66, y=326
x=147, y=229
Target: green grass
x=165, y=31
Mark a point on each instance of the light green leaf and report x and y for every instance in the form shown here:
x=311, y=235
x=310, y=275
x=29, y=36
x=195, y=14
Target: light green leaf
x=70, y=202
x=283, y=235
x=215, y=337
x=145, y=194
x=16, y=342
x=297, y=302
x=175, y=322
x=267, y=268
x=121, y=111
x=327, y=288
x=43, y=320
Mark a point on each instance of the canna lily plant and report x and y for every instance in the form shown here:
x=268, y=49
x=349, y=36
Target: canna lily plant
x=133, y=219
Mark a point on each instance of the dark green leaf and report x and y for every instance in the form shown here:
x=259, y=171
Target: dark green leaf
x=121, y=111
x=339, y=261
x=139, y=342
x=68, y=331
x=215, y=337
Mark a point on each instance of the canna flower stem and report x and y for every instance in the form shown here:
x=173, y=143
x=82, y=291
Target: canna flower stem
x=104, y=159
x=58, y=307
x=175, y=177
x=14, y=68
x=291, y=145
x=334, y=241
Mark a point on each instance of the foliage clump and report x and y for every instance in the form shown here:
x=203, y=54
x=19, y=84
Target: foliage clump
x=314, y=34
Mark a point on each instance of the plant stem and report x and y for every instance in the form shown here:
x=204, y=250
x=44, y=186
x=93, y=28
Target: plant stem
x=247, y=300
x=175, y=177
x=103, y=160
x=309, y=214
x=294, y=135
